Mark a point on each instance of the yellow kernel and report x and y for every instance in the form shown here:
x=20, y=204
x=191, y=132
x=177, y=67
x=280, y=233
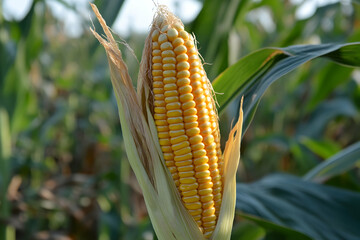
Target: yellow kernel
x=178, y=42
x=188, y=180
x=185, y=89
x=190, y=199
x=176, y=126
x=182, y=66
x=204, y=126
x=162, y=128
x=158, y=90
x=183, y=74
x=204, y=118
x=169, y=156
x=169, y=73
x=169, y=60
x=195, y=212
x=156, y=59
x=190, y=118
x=205, y=185
x=198, y=153
x=155, y=35
x=164, y=27
x=189, y=44
x=164, y=142
x=166, y=148
x=194, y=70
x=205, y=180
x=172, y=93
x=157, y=72
x=208, y=205
x=165, y=54
x=173, y=105
x=182, y=160
x=179, y=27
x=172, y=169
x=192, y=51
x=170, y=86
x=201, y=160
x=199, y=99
x=195, y=78
x=180, y=49
x=162, y=38
x=171, y=99
x=182, y=57
x=176, y=133
x=161, y=122
x=168, y=80
x=159, y=116
x=159, y=97
x=158, y=84
x=188, y=187
x=204, y=192
x=160, y=110
x=190, y=111
x=208, y=224
x=182, y=151
x=166, y=46
x=155, y=45
x=189, y=167
x=180, y=145
x=202, y=167
x=194, y=205
x=191, y=125
x=196, y=139
x=202, y=174
x=174, y=113
x=184, y=35
x=183, y=81
x=197, y=146
x=186, y=174
x=172, y=34
x=186, y=105
x=157, y=52
x=208, y=212
x=163, y=135
x=158, y=78
x=206, y=198
x=178, y=139
x=168, y=66
x=173, y=120
x=186, y=97
x=185, y=162
x=198, y=91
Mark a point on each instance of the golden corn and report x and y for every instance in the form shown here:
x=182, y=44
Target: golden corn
x=186, y=122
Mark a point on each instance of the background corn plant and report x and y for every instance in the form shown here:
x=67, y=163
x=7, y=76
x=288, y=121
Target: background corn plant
x=63, y=169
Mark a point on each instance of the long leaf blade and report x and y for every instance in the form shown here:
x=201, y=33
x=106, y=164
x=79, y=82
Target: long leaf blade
x=340, y=162
x=313, y=209
x=253, y=74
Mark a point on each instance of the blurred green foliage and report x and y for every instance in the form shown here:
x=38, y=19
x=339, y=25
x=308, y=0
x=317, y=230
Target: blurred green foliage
x=64, y=172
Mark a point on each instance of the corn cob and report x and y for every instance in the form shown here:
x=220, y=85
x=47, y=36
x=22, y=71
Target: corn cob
x=186, y=122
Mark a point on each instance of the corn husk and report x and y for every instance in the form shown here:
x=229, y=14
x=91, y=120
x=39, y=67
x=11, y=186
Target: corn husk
x=168, y=215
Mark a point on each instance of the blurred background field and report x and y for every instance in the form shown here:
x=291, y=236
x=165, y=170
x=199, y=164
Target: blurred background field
x=64, y=173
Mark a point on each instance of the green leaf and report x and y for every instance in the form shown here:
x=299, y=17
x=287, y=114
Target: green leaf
x=339, y=163
x=281, y=232
x=321, y=212
x=5, y=170
x=325, y=112
x=253, y=74
x=324, y=149
x=247, y=230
